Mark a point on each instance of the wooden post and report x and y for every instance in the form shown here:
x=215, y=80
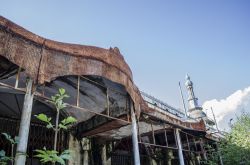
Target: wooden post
x=181, y=159
x=25, y=124
x=135, y=139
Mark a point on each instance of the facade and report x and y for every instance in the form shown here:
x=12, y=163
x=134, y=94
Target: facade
x=116, y=123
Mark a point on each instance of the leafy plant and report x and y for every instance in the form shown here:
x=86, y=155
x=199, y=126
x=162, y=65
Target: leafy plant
x=53, y=155
x=3, y=158
x=235, y=147
x=13, y=141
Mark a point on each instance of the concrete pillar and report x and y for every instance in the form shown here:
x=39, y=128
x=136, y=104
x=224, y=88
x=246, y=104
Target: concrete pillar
x=135, y=139
x=23, y=135
x=85, y=157
x=109, y=146
x=103, y=154
x=180, y=154
x=170, y=156
x=75, y=147
x=85, y=148
x=152, y=161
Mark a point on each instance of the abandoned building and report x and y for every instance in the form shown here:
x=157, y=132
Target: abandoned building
x=117, y=124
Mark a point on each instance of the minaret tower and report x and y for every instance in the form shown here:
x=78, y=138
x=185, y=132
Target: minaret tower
x=194, y=111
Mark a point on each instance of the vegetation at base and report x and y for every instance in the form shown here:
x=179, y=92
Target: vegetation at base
x=235, y=147
x=54, y=156
x=4, y=159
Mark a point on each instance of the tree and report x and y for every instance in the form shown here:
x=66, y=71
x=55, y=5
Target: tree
x=53, y=155
x=235, y=147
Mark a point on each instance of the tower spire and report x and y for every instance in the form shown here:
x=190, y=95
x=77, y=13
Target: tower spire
x=195, y=111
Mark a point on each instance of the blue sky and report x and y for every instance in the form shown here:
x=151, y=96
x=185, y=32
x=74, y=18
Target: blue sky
x=161, y=40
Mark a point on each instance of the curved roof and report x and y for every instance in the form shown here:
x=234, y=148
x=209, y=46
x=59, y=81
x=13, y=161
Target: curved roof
x=44, y=59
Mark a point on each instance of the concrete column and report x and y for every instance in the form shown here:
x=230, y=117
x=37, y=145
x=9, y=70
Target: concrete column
x=103, y=154
x=86, y=148
x=135, y=139
x=109, y=146
x=85, y=157
x=75, y=147
x=181, y=158
x=23, y=135
x=170, y=156
x=152, y=161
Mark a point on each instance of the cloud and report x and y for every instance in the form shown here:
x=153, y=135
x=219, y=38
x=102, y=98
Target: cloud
x=229, y=107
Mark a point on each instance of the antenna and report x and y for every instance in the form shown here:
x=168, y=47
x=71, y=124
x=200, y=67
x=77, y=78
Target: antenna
x=215, y=120
x=183, y=103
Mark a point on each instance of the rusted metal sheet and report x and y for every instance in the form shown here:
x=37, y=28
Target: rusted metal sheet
x=173, y=120
x=45, y=60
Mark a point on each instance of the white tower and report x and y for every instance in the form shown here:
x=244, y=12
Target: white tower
x=194, y=110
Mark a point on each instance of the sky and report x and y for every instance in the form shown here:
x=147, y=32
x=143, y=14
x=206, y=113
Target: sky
x=161, y=40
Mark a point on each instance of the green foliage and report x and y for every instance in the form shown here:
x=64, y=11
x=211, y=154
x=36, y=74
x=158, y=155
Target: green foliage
x=46, y=119
x=53, y=156
x=212, y=155
x=235, y=147
x=65, y=123
x=14, y=140
x=57, y=100
x=3, y=158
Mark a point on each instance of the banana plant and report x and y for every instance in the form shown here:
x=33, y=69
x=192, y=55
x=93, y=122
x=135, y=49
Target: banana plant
x=54, y=156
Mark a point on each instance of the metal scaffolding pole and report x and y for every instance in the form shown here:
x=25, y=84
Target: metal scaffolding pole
x=135, y=139
x=181, y=159
x=25, y=125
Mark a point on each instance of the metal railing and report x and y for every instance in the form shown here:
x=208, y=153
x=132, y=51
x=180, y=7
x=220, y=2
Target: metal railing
x=156, y=103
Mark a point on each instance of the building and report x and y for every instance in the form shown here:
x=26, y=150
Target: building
x=116, y=123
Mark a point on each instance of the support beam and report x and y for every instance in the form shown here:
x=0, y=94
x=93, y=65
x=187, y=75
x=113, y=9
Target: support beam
x=25, y=125
x=78, y=91
x=181, y=158
x=135, y=139
x=107, y=98
x=17, y=77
